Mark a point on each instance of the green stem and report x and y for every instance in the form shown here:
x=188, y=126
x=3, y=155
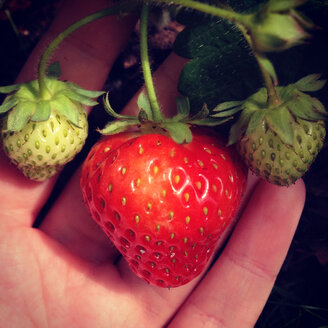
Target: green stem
x=273, y=99
x=208, y=9
x=157, y=114
x=114, y=10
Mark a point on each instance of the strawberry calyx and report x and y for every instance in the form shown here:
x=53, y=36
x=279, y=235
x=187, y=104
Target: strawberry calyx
x=294, y=103
x=150, y=118
x=279, y=141
x=25, y=103
x=177, y=127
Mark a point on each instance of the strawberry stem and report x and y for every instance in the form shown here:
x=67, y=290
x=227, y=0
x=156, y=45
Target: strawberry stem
x=43, y=64
x=156, y=111
x=273, y=99
x=208, y=9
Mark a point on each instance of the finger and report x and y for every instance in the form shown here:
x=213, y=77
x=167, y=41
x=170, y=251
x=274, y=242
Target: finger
x=80, y=233
x=86, y=58
x=235, y=290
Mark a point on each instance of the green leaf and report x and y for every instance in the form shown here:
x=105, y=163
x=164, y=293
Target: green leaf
x=221, y=66
x=20, y=115
x=280, y=121
x=73, y=95
x=183, y=108
x=42, y=111
x=64, y=106
x=179, y=132
x=10, y=88
x=87, y=93
x=54, y=70
x=143, y=103
x=117, y=126
x=9, y=102
x=310, y=83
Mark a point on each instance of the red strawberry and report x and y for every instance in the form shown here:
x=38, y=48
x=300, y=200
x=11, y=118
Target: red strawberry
x=162, y=204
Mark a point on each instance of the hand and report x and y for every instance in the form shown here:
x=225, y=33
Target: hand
x=66, y=273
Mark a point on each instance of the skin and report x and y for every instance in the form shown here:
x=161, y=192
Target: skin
x=66, y=273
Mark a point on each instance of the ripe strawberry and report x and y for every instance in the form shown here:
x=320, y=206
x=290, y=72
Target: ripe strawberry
x=279, y=143
x=41, y=133
x=41, y=149
x=164, y=205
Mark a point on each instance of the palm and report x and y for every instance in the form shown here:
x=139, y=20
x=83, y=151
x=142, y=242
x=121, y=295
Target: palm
x=76, y=287
x=66, y=273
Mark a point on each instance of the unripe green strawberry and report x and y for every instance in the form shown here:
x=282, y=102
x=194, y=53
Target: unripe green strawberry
x=41, y=132
x=279, y=142
x=270, y=157
x=40, y=149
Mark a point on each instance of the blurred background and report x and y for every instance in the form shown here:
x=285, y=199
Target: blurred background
x=300, y=295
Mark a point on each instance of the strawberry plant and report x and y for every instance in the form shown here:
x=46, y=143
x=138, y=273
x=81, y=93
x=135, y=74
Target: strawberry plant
x=165, y=189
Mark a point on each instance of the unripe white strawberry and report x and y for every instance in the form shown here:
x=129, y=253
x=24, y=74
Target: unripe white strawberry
x=41, y=149
x=42, y=132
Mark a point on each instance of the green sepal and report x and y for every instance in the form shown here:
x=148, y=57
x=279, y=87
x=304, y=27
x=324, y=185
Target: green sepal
x=117, y=126
x=9, y=102
x=239, y=128
x=143, y=116
x=29, y=90
x=227, y=109
x=64, y=106
x=183, y=108
x=203, y=113
x=42, y=112
x=144, y=104
x=227, y=105
x=179, y=132
x=111, y=111
x=280, y=121
x=79, y=98
x=310, y=83
x=20, y=115
x=255, y=120
x=10, y=88
x=83, y=92
x=307, y=107
x=208, y=121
